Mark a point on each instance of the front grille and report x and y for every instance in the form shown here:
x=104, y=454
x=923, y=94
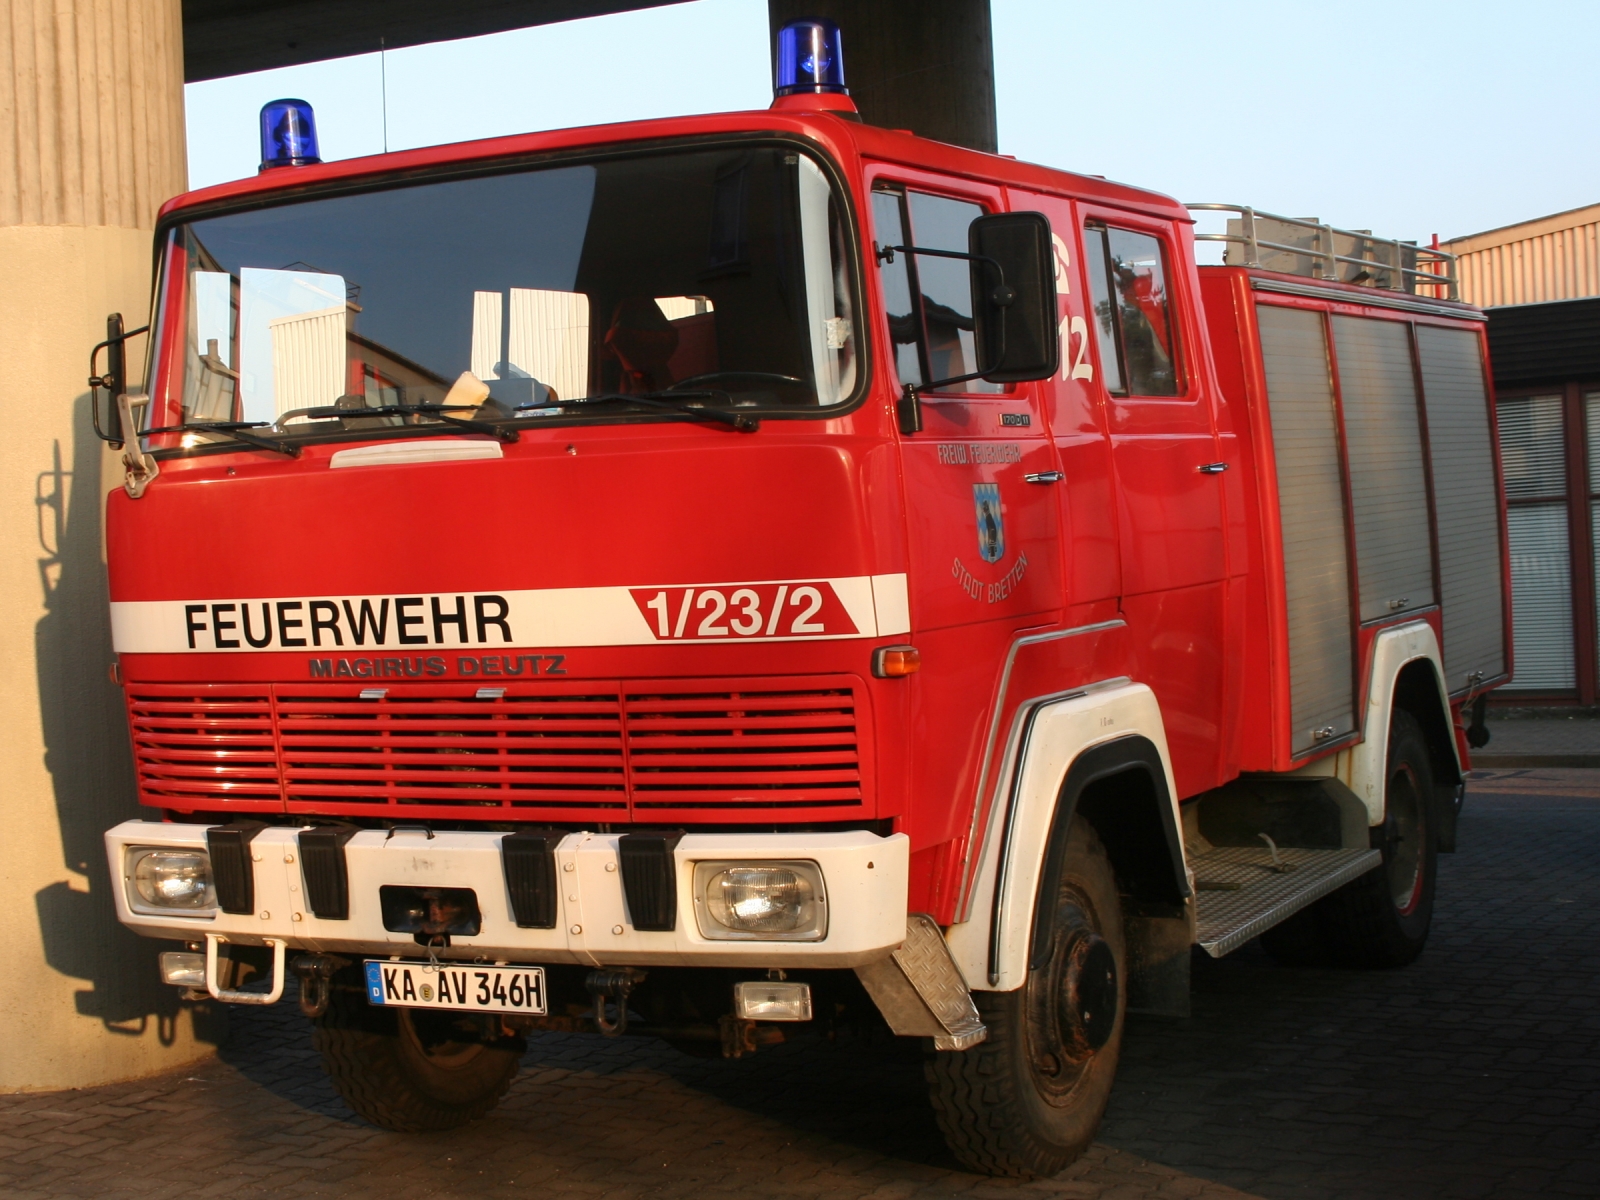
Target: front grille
x=567, y=751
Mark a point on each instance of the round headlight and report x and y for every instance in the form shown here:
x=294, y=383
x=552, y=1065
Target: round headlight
x=174, y=879
x=760, y=899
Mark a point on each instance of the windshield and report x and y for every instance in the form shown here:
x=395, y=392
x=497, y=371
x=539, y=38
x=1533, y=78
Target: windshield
x=709, y=277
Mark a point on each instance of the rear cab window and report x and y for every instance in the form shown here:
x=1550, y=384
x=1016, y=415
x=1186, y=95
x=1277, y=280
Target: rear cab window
x=1135, y=329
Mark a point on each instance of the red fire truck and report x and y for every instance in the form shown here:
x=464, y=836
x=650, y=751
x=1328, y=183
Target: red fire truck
x=732, y=576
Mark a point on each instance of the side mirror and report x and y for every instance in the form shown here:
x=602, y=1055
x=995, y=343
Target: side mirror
x=114, y=380
x=1014, y=297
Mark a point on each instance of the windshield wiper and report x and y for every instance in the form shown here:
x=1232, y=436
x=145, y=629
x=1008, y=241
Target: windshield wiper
x=504, y=433
x=743, y=422
x=232, y=429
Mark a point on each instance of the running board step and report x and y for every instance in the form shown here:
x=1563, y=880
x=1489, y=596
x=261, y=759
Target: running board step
x=1240, y=892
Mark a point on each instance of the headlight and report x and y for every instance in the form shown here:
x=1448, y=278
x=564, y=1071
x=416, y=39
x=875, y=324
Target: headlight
x=170, y=880
x=766, y=901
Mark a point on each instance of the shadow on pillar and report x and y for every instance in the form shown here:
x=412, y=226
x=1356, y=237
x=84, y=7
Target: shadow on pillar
x=88, y=757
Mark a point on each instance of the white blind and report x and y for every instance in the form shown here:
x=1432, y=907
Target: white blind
x=1532, y=453
x=1541, y=596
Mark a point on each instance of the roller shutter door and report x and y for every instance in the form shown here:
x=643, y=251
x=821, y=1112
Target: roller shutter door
x=1305, y=443
x=1532, y=457
x=1388, y=487
x=1465, y=501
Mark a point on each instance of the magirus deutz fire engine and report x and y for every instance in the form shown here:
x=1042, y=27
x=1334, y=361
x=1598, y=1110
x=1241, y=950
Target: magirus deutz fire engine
x=733, y=576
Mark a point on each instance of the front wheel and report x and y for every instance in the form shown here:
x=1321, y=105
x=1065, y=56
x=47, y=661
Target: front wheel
x=1028, y=1101
x=407, y=1069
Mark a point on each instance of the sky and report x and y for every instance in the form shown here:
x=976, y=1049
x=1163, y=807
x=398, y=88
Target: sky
x=1406, y=117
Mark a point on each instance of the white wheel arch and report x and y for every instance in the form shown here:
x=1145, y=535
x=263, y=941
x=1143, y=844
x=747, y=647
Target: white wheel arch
x=991, y=946
x=1362, y=766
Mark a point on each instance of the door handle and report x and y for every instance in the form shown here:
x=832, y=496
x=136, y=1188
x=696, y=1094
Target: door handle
x=1045, y=477
x=1213, y=468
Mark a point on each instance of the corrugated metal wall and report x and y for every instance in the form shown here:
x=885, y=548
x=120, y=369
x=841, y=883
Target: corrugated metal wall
x=308, y=355
x=1552, y=258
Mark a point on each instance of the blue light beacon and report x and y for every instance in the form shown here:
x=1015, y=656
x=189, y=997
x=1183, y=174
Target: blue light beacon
x=810, y=59
x=288, y=134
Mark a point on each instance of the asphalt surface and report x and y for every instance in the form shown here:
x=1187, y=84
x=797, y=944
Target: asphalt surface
x=1475, y=1072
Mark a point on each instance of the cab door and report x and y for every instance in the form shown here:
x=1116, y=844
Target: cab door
x=1076, y=413
x=984, y=537
x=1149, y=370
x=981, y=511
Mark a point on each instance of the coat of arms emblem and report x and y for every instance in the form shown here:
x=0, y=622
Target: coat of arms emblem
x=991, y=529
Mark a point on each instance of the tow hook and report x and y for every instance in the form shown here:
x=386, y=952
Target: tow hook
x=617, y=984
x=314, y=972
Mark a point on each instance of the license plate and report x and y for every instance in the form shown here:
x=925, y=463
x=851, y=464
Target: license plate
x=471, y=988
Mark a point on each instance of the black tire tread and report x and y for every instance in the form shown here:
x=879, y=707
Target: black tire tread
x=975, y=1094
x=1357, y=926
x=368, y=1070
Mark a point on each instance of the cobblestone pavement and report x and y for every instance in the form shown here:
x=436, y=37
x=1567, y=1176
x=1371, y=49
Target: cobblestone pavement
x=1473, y=1073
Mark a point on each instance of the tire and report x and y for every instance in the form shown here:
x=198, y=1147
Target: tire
x=1028, y=1101
x=404, y=1069
x=1382, y=919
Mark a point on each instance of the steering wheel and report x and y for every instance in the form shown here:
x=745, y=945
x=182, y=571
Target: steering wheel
x=759, y=376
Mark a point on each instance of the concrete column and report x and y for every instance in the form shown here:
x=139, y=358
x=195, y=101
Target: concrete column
x=91, y=142
x=922, y=65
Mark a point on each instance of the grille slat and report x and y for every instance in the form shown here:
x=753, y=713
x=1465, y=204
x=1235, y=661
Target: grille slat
x=579, y=750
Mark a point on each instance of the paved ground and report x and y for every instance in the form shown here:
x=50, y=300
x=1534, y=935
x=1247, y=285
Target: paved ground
x=1473, y=1073
x=1550, y=737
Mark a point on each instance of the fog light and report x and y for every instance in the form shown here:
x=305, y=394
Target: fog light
x=183, y=969
x=166, y=880
x=769, y=901
x=772, y=1001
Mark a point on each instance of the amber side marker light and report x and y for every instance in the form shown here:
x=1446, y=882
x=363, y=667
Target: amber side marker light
x=891, y=662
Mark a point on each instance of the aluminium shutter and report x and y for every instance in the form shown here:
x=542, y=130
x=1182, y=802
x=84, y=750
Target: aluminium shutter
x=1388, y=486
x=1311, y=512
x=1466, y=504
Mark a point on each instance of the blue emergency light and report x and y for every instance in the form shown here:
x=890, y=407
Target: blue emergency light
x=288, y=134
x=810, y=58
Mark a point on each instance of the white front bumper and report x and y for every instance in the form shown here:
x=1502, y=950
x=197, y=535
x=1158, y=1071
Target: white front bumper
x=864, y=875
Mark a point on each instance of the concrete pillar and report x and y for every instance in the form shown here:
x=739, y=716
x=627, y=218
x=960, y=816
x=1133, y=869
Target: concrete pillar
x=91, y=142
x=922, y=65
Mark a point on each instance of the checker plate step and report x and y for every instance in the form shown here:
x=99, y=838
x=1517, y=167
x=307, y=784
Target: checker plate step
x=1239, y=896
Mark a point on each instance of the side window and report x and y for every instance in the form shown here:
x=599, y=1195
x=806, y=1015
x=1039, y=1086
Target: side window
x=1133, y=311
x=888, y=223
x=930, y=298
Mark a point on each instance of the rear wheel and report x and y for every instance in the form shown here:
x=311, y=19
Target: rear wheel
x=1028, y=1101
x=410, y=1069
x=1381, y=919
